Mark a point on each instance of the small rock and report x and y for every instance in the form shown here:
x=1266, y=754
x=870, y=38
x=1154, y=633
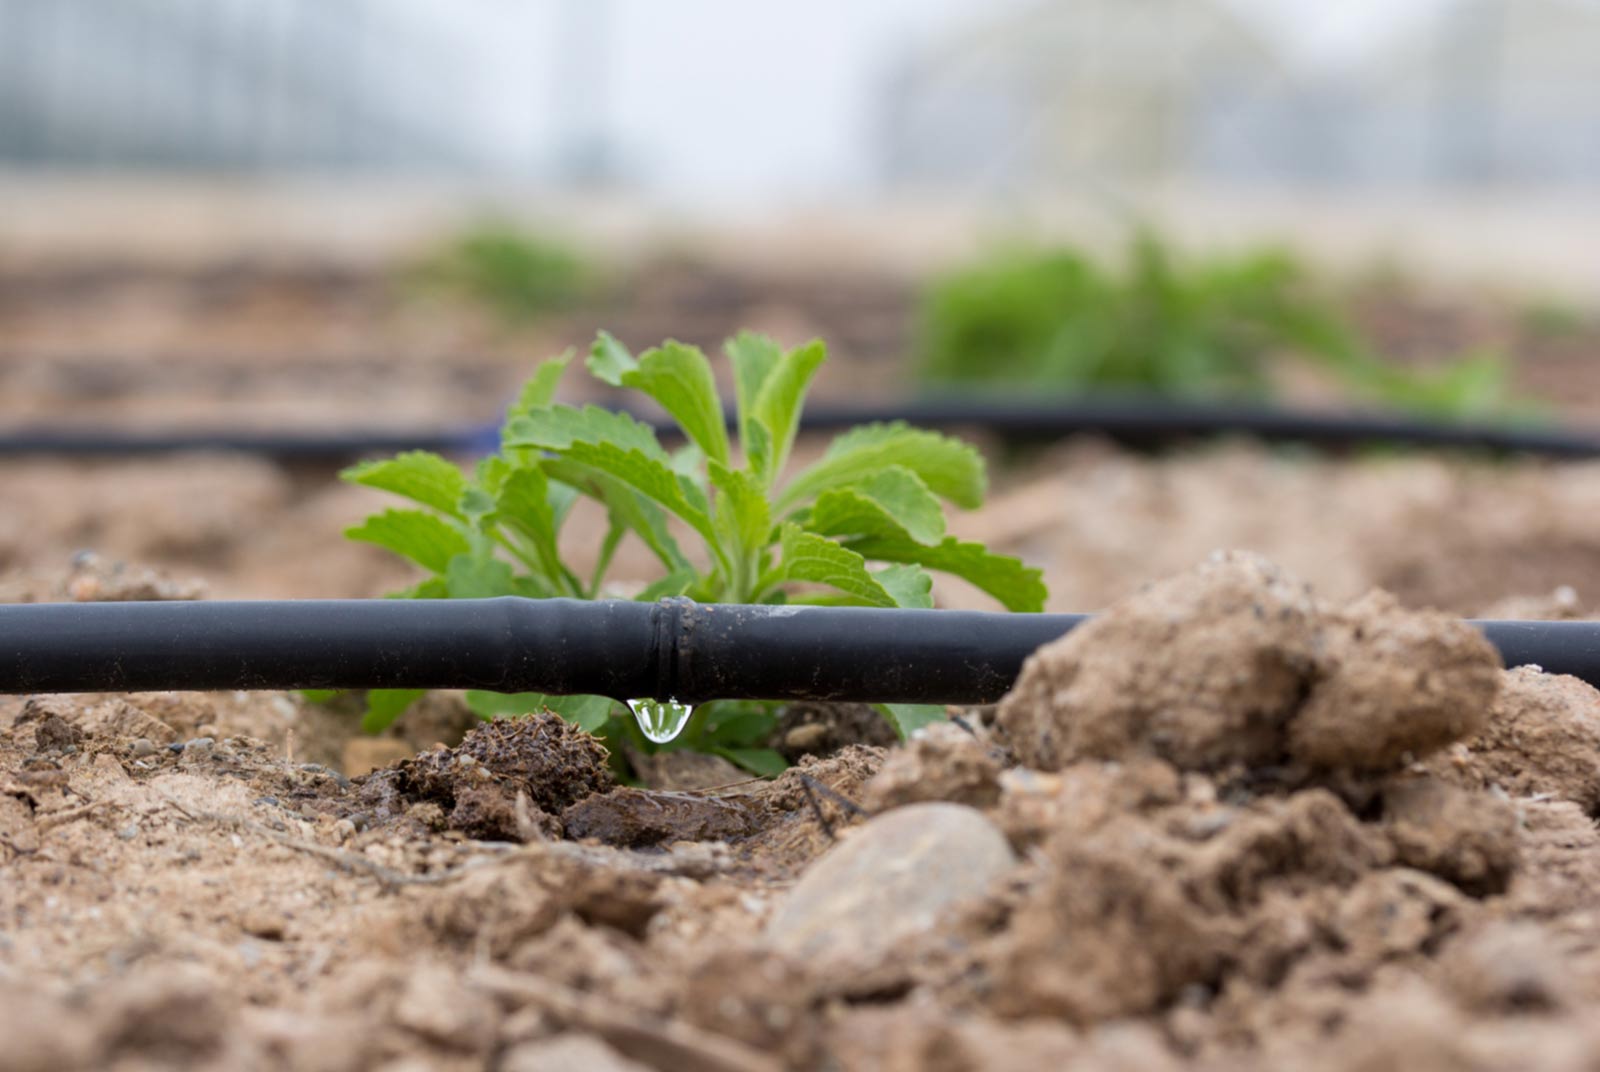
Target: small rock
x=141, y=747
x=263, y=923
x=567, y=1053
x=891, y=879
x=198, y=750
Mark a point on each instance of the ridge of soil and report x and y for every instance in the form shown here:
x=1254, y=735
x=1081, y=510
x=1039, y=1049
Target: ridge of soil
x=1247, y=828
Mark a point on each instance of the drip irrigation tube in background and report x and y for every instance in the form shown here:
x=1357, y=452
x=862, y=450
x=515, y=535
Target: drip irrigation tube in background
x=1132, y=421
x=673, y=649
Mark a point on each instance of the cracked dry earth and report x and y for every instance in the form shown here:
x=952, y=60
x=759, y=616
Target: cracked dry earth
x=1226, y=825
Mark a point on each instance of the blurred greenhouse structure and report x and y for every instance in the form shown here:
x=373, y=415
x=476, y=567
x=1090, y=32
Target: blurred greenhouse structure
x=955, y=96
x=1073, y=91
x=227, y=85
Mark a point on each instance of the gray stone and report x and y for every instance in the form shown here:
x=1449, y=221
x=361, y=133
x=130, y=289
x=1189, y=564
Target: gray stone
x=888, y=880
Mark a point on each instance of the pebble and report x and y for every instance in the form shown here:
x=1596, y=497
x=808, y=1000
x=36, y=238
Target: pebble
x=142, y=746
x=890, y=879
x=317, y=768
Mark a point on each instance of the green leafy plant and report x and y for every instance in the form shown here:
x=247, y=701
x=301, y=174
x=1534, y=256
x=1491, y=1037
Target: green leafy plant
x=517, y=274
x=862, y=525
x=1161, y=325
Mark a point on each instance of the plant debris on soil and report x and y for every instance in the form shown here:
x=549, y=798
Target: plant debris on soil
x=1228, y=824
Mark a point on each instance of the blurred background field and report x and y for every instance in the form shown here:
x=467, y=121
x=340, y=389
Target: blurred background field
x=297, y=216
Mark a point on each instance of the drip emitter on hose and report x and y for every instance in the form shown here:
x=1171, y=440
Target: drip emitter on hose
x=672, y=650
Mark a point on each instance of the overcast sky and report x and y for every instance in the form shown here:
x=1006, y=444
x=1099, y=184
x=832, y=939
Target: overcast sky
x=738, y=101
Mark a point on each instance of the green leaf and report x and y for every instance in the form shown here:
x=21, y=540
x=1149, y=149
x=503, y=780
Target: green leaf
x=319, y=696
x=734, y=723
x=909, y=718
x=588, y=713
x=632, y=509
x=386, y=705
x=808, y=557
x=762, y=761
x=1016, y=586
x=609, y=360
x=782, y=396
x=673, y=584
x=540, y=390
x=753, y=358
x=894, y=502
x=419, y=475
x=950, y=468
x=650, y=477
x=431, y=588
x=679, y=378
x=426, y=539
x=559, y=427
x=742, y=510
x=687, y=461
x=756, y=442
x=478, y=577
x=907, y=585
x=522, y=498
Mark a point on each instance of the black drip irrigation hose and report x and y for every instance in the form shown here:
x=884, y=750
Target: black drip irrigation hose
x=1131, y=421
x=674, y=649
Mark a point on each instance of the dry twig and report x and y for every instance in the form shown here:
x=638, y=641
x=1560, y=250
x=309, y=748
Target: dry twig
x=351, y=862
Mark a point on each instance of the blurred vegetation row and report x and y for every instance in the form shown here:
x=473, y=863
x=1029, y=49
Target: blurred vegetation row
x=1160, y=325
x=1056, y=319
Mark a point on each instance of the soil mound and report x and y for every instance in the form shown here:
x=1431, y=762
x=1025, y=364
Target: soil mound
x=1236, y=664
x=1224, y=827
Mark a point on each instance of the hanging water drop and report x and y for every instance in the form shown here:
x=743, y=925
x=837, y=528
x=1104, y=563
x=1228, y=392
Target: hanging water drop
x=661, y=720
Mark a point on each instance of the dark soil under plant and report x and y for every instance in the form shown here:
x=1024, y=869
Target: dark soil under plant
x=1230, y=824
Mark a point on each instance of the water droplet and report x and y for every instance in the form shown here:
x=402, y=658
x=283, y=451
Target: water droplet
x=661, y=720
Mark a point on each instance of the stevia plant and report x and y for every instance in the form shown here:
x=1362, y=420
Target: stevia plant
x=1168, y=325
x=861, y=526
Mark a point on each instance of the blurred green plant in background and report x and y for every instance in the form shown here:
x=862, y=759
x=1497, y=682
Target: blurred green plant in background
x=1190, y=328
x=515, y=273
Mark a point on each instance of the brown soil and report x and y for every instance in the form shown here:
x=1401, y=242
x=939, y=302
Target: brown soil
x=1213, y=871
x=1248, y=826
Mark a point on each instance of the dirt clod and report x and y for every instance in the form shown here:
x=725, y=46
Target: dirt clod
x=1469, y=839
x=1203, y=669
x=940, y=762
x=542, y=759
x=1234, y=664
x=637, y=817
x=1393, y=685
x=1542, y=737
